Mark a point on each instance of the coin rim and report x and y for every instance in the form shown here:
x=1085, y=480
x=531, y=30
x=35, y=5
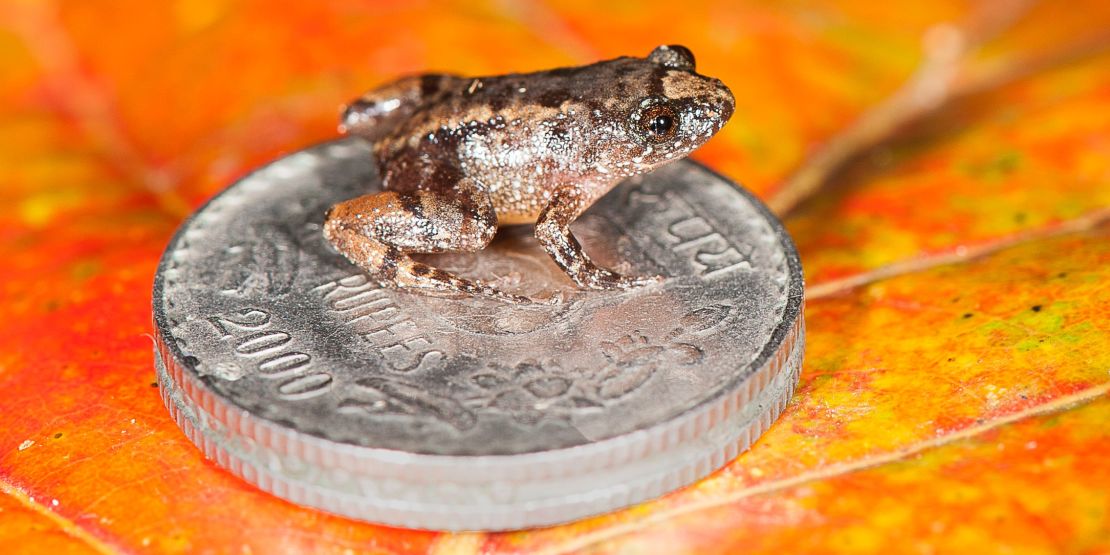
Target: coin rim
x=579, y=459
x=564, y=506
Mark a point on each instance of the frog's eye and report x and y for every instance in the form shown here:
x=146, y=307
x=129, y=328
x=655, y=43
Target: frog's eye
x=659, y=122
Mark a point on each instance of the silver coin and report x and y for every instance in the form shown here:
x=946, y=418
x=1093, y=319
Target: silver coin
x=291, y=369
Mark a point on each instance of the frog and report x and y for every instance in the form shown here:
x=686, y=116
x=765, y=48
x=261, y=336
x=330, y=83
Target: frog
x=459, y=157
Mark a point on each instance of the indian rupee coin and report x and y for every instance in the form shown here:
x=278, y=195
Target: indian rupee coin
x=290, y=368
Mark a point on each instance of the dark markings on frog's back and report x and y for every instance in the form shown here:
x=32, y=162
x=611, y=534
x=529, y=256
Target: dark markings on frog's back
x=568, y=72
x=554, y=98
x=626, y=70
x=430, y=85
x=500, y=100
x=622, y=89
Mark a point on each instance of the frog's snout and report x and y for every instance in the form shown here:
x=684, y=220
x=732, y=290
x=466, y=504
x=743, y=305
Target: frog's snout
x=717, y=105
x=725, y=100
x=354, y=114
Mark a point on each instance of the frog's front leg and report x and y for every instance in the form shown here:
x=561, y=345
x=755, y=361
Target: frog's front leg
x=377, y=232
x=553, y=233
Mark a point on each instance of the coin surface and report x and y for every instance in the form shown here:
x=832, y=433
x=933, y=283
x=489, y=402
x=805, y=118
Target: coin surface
x=289, y=367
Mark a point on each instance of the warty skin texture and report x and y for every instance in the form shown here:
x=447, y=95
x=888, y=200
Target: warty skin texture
x=461, y=156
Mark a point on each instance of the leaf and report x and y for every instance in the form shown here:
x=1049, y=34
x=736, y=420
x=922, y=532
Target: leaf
x=1025, y=162
x=955, y=244
x=27, y=523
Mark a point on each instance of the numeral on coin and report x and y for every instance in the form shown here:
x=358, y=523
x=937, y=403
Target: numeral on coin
x=246, y=319
x=252, y=338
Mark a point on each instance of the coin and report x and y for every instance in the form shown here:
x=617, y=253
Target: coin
x=290, y=368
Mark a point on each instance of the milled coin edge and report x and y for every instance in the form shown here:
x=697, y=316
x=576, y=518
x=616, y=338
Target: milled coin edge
x=727, y=439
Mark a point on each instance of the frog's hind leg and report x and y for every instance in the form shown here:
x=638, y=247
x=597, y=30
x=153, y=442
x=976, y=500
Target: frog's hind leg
x=377, y=232
x=378, y=112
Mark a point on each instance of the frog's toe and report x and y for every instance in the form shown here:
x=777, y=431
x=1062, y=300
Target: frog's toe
x=510, y=298
x=608, y=280
x=641, y=281
x=632, y=282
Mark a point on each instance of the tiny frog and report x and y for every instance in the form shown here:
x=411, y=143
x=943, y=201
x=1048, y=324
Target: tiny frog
x=459, y=157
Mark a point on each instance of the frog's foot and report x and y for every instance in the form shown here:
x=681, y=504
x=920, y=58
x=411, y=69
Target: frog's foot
x=589, y=276
x=435, y=281
x=377, y=232
x=429, y=279
x=553, y=233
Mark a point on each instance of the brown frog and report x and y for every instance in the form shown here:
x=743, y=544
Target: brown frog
x=461, y=156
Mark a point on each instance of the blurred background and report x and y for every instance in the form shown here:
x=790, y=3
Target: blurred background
x=944, y=168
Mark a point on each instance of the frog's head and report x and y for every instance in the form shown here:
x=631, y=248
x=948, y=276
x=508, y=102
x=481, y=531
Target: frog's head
x=668, y=109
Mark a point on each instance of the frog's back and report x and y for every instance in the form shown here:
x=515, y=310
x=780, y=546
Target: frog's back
x=532, y=95
x=458, y=109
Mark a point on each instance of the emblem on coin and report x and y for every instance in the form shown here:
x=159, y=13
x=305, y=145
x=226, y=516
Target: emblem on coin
x=300, y=374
